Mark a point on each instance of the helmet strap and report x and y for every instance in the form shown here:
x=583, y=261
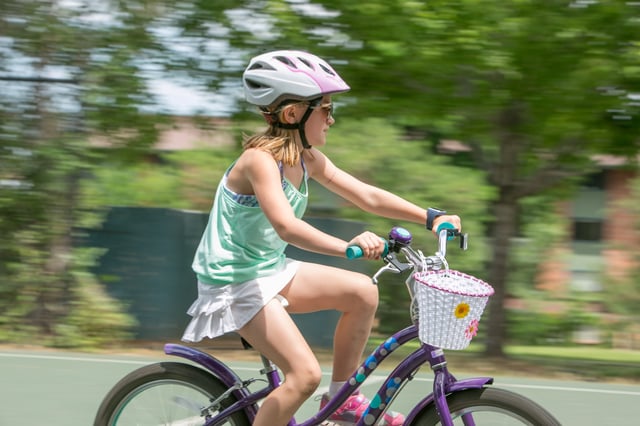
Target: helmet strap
x=300, y=125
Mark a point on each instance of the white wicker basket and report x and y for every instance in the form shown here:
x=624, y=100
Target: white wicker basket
x=450, y=305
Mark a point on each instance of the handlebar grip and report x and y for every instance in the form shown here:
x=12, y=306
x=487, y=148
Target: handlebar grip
x=355, y=252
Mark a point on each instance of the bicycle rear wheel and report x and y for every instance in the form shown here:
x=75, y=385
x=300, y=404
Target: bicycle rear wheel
x=166, y=393
x=489, y=406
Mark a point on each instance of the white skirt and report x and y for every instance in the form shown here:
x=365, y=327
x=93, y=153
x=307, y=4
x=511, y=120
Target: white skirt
x=223, y=309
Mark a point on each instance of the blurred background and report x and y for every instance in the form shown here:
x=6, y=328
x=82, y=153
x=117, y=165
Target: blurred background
x=117, y=120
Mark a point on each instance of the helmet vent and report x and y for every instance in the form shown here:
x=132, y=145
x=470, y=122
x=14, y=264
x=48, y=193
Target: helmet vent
x=286, y=61
x=327, y=70
x=306, y=62
x=252, y=84
x=260, y=66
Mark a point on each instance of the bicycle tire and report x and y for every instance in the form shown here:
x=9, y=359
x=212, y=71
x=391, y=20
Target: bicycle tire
x=164, y=393
x=489, y=406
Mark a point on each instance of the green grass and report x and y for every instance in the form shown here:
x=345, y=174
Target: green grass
x=585, y=353
x=588, y=362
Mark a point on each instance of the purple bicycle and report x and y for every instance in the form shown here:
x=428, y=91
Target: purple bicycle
x=445, y=309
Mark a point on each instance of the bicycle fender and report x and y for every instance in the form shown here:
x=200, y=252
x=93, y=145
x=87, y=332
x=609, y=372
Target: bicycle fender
x=216, y=367
x=473, y=383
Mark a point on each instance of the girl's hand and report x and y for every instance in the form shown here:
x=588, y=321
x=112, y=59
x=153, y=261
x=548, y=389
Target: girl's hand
x=372, y=245
x=452, y=219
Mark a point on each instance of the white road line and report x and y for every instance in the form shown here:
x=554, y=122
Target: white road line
x=74, y=358
x=555, y=388
x=570, y=389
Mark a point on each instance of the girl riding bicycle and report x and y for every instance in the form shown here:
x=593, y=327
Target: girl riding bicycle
x=245, y=282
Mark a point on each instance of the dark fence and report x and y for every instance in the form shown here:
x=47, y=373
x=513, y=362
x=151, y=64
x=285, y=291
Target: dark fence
x=148, y=266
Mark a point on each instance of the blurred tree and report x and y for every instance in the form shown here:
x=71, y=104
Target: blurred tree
x=69, y=70
x=534, y=89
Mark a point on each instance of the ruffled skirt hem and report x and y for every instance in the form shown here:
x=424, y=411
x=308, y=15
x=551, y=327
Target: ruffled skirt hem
x=224, y=309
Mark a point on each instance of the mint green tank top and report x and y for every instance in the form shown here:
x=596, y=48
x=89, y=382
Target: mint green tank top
x=239, y=244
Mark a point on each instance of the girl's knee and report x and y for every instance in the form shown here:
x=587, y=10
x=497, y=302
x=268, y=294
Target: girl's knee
x=367, y=292
x=305, y=380
x=313, y=378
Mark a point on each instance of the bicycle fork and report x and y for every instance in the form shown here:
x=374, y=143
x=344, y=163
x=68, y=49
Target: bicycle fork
x=444, y=383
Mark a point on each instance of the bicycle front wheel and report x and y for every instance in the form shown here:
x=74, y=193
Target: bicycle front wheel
x=489, y=406
x=167, y=393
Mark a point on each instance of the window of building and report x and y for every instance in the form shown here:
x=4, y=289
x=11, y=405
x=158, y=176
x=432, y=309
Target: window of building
x=588, y=213
x=595, y=180
x=587, y=230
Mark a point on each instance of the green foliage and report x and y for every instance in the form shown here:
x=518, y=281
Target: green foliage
x=94, y=319
x=73, y=80
x=19, y=289
x=200, y=172
x=141, y=185
x=34, y=310
x=535, y=328
x=180, y=180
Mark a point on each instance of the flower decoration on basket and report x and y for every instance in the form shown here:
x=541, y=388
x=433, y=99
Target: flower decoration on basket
x=450, y=304
x=462, y=310
x=472, y=330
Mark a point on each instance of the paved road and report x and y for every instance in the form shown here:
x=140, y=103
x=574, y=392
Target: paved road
x=65, y=389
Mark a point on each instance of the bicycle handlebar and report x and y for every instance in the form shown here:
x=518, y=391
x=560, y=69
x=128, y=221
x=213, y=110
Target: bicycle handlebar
x=400, y=242
x=402, y=237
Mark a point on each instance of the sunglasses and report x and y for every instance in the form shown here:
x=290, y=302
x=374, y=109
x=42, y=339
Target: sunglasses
x=326, y=108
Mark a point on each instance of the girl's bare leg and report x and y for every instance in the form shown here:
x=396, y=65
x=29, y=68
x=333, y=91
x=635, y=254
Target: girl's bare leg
x=319, y=287
x=274, y=334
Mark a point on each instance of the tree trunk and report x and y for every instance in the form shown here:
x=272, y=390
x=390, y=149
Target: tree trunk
x=53, y=301
x=504, y=176
x=504, y=229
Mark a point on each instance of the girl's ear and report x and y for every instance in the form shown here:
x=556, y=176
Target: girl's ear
x=290, y=114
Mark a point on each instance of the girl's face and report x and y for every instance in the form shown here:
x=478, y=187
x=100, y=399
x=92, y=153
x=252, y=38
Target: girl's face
x=318, y=122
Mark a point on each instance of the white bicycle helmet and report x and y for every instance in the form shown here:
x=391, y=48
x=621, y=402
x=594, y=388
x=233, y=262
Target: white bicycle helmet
x=275, y=77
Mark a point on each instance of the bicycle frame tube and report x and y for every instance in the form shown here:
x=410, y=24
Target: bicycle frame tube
x=361, y=374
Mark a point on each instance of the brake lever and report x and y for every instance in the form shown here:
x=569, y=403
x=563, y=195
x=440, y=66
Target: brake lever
x=464, y=241
x=392, y=265
x=445, y=235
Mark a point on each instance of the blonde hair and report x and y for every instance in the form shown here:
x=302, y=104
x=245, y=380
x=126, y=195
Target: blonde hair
x=279, y=142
